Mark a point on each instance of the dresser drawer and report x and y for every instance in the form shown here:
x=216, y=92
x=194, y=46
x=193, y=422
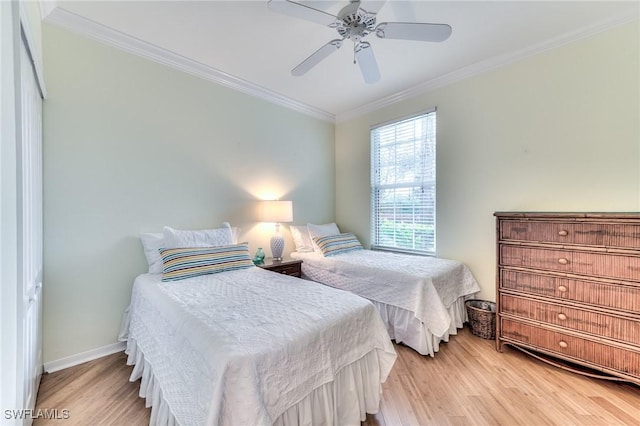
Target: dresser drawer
x=597, y=234
x=605, y=265
x=599, y=324
x=583, y=350
x=621, y=297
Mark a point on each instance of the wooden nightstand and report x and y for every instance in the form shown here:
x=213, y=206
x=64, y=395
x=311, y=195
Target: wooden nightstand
x=291, y=267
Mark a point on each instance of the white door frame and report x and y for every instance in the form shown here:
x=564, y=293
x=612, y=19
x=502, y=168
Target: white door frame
x=18, y=382
x=30, y=221
x=9, y=114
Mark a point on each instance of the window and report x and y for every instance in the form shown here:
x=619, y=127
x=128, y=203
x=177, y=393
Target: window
x=403, y=185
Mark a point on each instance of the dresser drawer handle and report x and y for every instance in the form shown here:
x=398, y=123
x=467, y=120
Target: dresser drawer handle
x=562, y=317
x=562, y=289
x=563, y=261
x=563, y=344
x=563, y=233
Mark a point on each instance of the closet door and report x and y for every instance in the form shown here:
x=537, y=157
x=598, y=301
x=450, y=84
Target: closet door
x=30, y=228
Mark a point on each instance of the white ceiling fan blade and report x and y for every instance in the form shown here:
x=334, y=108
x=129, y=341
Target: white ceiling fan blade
x=413, y=31
x=316, y=57
x=367, y=62
x=301, y=11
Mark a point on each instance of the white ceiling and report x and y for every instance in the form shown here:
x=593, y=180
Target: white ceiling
x=254, y=45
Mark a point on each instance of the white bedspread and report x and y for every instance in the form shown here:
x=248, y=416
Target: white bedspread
x=427, y=286
x=242, y=347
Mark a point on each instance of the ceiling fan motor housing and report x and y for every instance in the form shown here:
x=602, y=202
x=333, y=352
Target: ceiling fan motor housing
x=355, y=23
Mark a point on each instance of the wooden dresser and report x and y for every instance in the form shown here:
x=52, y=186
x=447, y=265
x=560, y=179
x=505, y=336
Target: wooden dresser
x=568, y=287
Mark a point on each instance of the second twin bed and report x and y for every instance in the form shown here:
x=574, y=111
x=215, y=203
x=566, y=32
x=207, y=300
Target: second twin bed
x=420, y=299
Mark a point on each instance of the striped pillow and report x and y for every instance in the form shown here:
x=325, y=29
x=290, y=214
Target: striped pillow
x=336, y=244
x=181, y=263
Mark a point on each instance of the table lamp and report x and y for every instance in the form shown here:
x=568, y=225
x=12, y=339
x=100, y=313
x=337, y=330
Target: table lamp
x=277, y=212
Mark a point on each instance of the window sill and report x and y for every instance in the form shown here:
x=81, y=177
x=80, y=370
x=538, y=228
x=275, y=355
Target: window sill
x=403, y=251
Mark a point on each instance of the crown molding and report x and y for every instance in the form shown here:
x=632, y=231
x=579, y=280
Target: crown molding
x=46, y=7
x=103, y=34
x=80, y=25
x=487, y=65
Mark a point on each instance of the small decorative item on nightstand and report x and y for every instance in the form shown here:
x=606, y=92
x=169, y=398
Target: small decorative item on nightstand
x=259, y=257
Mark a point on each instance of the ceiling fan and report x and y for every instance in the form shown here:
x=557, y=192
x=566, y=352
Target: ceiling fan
x=355, y=23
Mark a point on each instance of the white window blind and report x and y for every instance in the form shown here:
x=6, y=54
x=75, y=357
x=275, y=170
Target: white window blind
x=403, y=185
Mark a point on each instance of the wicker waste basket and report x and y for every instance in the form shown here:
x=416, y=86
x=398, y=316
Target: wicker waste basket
x=482, y=318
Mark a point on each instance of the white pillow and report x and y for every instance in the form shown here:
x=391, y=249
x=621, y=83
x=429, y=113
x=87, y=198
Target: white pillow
x=301, y=238
x=175, y=238
x=321, y=231
x=235, y=232
x=151, y=244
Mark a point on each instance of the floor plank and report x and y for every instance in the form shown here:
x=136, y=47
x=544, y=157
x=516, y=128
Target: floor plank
x=467, y=383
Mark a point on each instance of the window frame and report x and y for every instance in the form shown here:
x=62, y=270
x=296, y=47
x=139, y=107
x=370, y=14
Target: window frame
x=375, y=185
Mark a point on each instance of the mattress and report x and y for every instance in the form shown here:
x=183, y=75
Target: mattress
x=255, y=347
x=421, y=299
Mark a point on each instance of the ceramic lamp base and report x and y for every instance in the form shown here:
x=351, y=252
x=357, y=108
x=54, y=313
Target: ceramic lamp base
x=277, y=246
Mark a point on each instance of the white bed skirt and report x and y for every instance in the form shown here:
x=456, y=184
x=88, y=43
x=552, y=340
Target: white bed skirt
x=354, y=392
x=404, y=327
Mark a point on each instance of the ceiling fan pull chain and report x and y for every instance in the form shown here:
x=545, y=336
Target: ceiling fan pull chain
x=354, y=53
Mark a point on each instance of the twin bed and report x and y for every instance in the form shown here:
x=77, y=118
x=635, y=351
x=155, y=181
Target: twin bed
x=216, y=340
x=420, y=299
x=250, y=347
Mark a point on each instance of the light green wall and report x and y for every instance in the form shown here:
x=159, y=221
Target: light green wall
x=131, y=146
x=556, y=132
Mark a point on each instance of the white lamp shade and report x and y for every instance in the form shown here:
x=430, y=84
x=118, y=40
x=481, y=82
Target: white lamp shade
x=277, y=211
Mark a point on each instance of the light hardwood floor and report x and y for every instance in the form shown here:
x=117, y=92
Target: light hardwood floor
x=467, y=383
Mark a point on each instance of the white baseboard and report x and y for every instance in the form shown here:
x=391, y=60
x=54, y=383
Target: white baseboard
x=81, y=358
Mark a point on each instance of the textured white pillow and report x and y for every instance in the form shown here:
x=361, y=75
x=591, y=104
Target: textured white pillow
x=235, y=232
x=151, y=244
x=175, y=238
x=301, y=238
x=325, y=230
x=235, y=235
